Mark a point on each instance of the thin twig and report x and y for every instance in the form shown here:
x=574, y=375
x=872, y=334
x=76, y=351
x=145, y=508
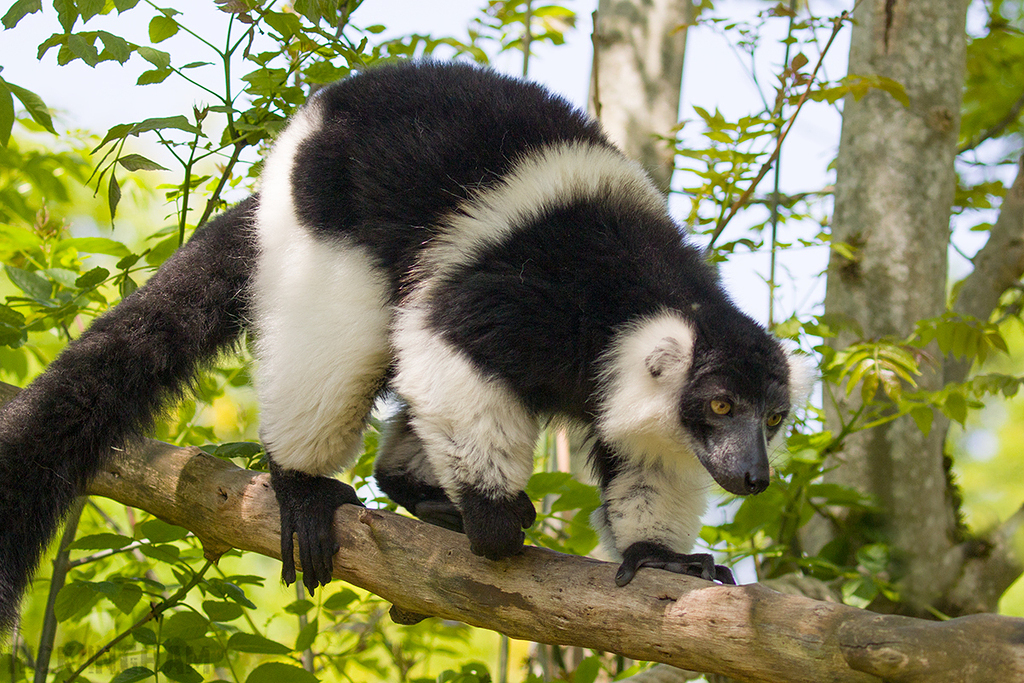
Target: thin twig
x=837, y=25
x=57, y=578
x=211, y=203
x=995, y=130
x=594, y=72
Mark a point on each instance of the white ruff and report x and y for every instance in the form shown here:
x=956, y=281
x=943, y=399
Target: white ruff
x=552, y=177
x=639, y=411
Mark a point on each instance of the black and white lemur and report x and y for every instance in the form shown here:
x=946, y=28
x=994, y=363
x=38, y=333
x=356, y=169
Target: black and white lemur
x=473, y=244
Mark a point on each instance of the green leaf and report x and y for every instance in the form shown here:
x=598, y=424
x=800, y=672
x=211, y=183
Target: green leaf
x=137, y=162
x=67, y=13
x=113, y=196
x=307, y=635
x=340, y=600
x=19, y=10
x=252, y=643
x=923, y=419
x=285, y=23
x=178, y=122
x=185, y=625
x=125, y=5
x=545, y=483
x=168, y=554
x=118, y=132
x=101, y=542
x=159, y=531
x=92, y=278
x=955, y=407
x=233, y=593
x=130, y=675
x=127, y=286
x=34, y=105
x=153, y=76
x=72, y=599
x=89, y=8
x=62, y=276
x=29, y=282
x=222, y=611
x=587, y=670
x=161, y=28
x=577, y=496
x=6, y=113
x=177, y=670
x=144, y=635
x=299, y=607
x=116, y=46
x=12, y=324
x=157, y=58
x=124, y=595
x=279, y=672
x=235, y=449
x=127, y=261
x=83, y=48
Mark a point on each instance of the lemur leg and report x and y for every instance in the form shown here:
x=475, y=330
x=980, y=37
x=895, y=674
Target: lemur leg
x=478, y=437
x=405, y=474
x=322, y=353
x=650, y=514
x=321, y=314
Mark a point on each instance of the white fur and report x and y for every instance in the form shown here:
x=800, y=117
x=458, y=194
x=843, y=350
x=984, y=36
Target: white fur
x=655, y=503
x=475, y=431
x=322, y=320
x=552, y=177
x=639, y=411
x=802, y=376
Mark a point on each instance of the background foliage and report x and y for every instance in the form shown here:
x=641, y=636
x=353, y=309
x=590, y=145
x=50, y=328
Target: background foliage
x=61, y=191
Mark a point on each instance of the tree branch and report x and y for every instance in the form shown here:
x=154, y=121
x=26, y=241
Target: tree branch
x=746, y=632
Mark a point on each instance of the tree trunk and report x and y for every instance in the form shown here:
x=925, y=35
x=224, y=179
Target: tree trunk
x=637, y=77
x=894, y=194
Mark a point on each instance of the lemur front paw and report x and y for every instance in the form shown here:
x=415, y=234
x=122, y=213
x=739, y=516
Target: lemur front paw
x=307, y=505
x=648, y=554
x=495, y=526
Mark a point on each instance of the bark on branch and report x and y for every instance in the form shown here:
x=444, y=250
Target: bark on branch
x=746, y=632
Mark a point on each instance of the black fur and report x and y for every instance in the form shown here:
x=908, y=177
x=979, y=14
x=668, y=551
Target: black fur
x=402, y=145
x=307, y=505
x=495, y=526
x=107, y=386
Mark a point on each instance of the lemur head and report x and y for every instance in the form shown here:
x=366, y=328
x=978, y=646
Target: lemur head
x=672, y=390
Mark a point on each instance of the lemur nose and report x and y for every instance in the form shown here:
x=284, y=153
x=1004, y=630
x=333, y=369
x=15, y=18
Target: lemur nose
x=755, y=483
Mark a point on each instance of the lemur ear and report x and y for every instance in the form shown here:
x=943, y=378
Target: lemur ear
x=667, y=356
x=802, y=376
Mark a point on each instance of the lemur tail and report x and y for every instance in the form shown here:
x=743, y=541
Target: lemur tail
x=109, y=385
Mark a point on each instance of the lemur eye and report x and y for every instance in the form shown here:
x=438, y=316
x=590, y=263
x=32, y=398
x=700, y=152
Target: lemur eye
x=774, y=420
x=720, y=407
